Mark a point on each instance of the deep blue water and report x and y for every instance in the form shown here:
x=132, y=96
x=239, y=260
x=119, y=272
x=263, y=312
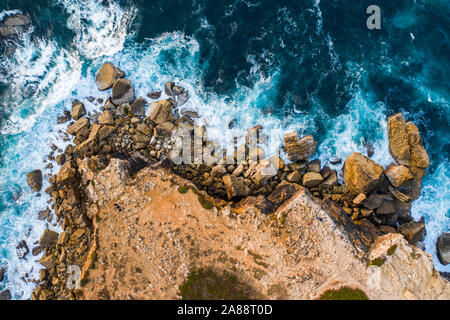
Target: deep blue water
x=311, y=66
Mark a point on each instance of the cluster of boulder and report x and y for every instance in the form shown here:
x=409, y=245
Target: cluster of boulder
x=372, y=201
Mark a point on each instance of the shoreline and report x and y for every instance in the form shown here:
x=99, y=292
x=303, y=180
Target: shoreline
x=127, y=130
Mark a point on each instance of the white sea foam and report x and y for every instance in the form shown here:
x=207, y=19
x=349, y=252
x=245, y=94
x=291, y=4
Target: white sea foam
x=7, y=13
x=100, y=27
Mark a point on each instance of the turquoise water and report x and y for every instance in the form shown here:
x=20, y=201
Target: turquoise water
x=289, y=65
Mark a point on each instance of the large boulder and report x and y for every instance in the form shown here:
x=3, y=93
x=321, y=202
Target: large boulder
x=361, y=175
x=14, y=25
x=80, y=126
x=160, y=111
x=122, y=92
x=34, y=179
x=107, y=75
x=398, y=175
x=138, y=107
x=443, y=248
x=312, y=179
x=263, y=171
x=405, y=143
x=299, y=149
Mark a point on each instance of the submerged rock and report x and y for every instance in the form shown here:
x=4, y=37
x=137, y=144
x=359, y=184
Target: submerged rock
x=154, y=95
x=443, y=248
x=22, y=249
x=34, y=179
x=361, y=175
x=14, y=25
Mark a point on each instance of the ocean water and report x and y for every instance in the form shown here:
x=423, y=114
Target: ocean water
x=311, y=66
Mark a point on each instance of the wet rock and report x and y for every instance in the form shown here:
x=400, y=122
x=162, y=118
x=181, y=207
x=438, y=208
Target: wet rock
x=443, y=248
x=183, y=98
x=48, y=238
x=14, y=25
x=335, y=160
x=160, y=111
x=61, y=159
x=78, y=110
x=361, y=175
x=235, y=187
x=2, y=273
x=138, y=107
x=299, y=149
x=154, y=95
x=190, y=114
x=413, y=231
x=177, y=90
x=398, y=175
x=42, y=215
x=312, y=179
x=107, y=75
x=122, y=92
x=5, y=295
x=36, y=250
x=168, y=86
x=34, y=180
x=22, y=249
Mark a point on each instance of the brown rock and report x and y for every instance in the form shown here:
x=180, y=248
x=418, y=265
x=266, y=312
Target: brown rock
x=78, y=110
x=106, y=118
x=263, y=171
x=48, y=261
x=387, y=207
x=398, y=139
x=218, y=171
x=312, y=179
x=413, y=231
x=314, y=166
x=5, y=295
x=299, y=149
x=443, y=248
x=61, y=159
x=398, y=175
x=359, y=199
x=154, y=95
x=165, y=129
x=161, y=111
x=78, y=126
x=294, y=177
x=373, y=201
x=235, y=187
x=122, y=92
x=14, y=24
x=107, y=75
x=283, y=192
x=138, y=107
x=361, y=175
x=331, y=180
x=48, y=238
x=418, y=153
x=66, y=175
x=34, y=180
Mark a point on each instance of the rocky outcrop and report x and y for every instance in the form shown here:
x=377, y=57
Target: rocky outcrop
x=34, y=180
x=14, y=25
x=107, y=75
x=361, y=175
x=443, y=248
x=398, y=175
x=300, y=239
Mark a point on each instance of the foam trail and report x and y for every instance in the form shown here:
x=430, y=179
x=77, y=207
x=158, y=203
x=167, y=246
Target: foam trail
x=100, y=27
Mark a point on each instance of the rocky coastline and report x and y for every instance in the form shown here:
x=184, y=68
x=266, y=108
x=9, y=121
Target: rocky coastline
x=130, y=135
